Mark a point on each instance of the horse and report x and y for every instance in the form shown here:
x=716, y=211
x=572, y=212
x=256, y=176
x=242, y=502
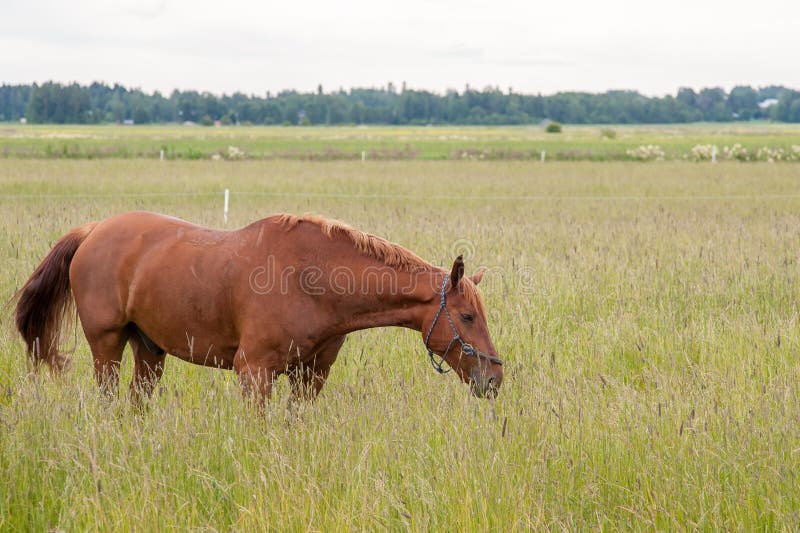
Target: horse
x=278, y=296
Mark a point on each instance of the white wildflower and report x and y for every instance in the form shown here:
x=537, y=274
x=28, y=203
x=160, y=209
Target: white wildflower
x=648, y=152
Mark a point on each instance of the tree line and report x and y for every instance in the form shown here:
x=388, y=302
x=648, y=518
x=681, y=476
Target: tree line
x=100, y=103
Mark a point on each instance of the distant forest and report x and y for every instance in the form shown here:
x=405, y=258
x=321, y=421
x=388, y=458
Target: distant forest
x=101, y=103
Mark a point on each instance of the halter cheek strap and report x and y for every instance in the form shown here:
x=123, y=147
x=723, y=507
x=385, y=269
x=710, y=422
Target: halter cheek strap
x=466, y=348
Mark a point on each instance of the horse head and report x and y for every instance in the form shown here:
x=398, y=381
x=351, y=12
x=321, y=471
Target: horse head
x=455, y=329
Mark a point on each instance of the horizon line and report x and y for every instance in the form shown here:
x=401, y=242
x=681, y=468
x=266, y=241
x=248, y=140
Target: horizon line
x=398, y=89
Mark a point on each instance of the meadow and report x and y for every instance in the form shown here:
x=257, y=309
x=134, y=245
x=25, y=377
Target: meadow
x=648, y=314
x=575, y=143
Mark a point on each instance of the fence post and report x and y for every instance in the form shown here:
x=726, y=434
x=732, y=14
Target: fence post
x=225, y=208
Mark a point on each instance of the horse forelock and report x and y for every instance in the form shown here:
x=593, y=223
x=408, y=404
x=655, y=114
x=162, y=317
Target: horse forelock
x=366, y=244
x=469, y=290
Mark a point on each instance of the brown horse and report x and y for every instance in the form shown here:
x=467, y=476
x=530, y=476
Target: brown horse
x=279, y=295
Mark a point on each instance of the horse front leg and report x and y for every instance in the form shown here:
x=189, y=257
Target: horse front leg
x=256, y=375
x=308, y=379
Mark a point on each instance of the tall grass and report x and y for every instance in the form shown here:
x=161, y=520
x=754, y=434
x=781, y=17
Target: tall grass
x=648, y=314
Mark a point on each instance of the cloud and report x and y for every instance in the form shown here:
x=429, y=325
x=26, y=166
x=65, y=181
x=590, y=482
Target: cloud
x=458, y=51
x=435, y=44
x=146, y=11
x=498, y=57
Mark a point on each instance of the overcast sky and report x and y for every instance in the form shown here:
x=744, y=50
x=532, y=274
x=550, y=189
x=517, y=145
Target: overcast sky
x=549, y=46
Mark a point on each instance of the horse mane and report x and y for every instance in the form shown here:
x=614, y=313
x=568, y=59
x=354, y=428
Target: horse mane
x=369, y=245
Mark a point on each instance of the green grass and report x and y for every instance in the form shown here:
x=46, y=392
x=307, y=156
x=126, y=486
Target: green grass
x=382, y=143
x=648, y=314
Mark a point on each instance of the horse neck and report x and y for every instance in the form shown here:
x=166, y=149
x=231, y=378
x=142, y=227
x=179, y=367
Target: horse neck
x=385, y=296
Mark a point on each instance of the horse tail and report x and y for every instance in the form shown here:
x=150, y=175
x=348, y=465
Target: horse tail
x=44, y=300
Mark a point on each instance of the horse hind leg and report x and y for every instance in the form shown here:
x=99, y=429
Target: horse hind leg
x=107, y=347
x=148, y=365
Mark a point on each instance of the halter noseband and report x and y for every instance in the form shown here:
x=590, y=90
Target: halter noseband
x=466, y=348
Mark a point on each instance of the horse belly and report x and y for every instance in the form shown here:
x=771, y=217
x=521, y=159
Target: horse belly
x=188, y=319
x=213, y=357
x=177, y=326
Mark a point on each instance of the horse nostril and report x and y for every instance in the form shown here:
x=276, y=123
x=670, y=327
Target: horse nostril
x=492, y=387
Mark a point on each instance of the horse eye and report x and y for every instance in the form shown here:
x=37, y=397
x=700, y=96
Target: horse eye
x=466, y=317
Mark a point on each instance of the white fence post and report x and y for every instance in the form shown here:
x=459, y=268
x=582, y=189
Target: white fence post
x=225, y=208
x=543, y=155
x=363, y=155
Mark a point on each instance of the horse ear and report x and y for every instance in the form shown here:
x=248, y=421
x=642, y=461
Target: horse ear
x=458, y=271
x=478, y=276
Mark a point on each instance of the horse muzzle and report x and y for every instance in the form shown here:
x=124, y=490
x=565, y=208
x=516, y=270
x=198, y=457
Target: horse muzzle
x=485, y=385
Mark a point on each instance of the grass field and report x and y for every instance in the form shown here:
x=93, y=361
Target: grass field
x=648, y=314
x=583, y=143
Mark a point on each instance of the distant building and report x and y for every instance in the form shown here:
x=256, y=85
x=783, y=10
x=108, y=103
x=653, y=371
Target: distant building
x=127, y=122
x=23, y=120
